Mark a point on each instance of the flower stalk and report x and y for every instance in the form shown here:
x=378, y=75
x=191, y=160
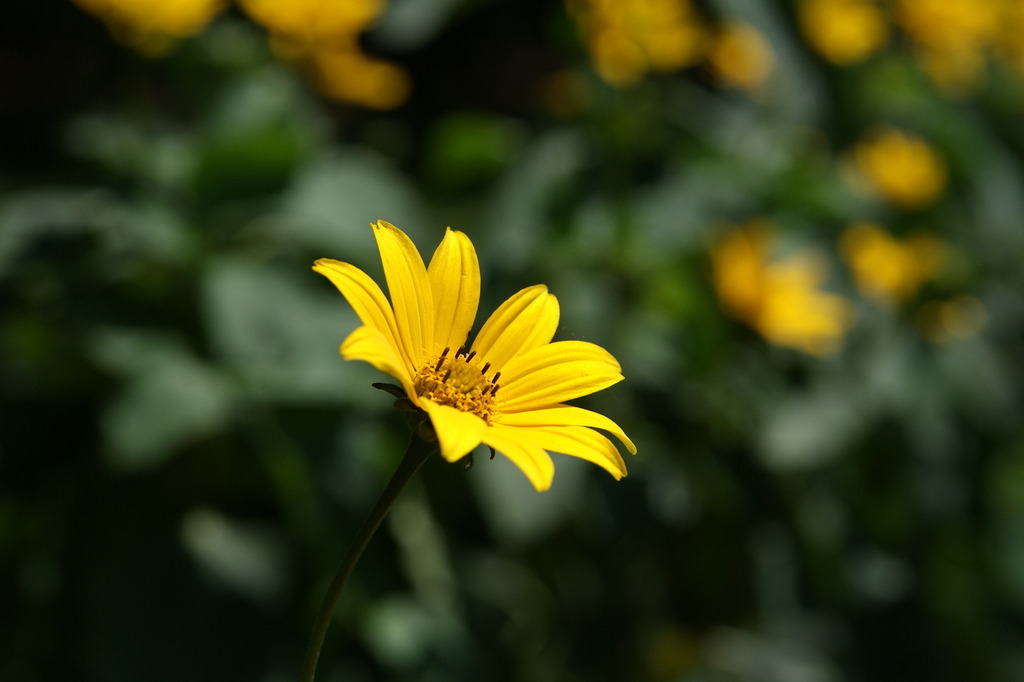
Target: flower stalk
x=416, y=454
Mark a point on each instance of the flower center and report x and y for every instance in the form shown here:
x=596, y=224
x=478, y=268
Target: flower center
x=460, y=382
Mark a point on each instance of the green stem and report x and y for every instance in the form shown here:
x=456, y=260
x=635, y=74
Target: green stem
x=415, y=455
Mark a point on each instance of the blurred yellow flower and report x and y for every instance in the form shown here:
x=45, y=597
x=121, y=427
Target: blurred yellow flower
x=886, y=269
x=780, y=298
x=740, y=56
x=629, y=38
x=843, y=31
x=352, y=76
x=952, y=36
x=900, y=167
x=153, y=26
x=324, y=38
x=506, y=390
x=1010, y=40
x=310, y=22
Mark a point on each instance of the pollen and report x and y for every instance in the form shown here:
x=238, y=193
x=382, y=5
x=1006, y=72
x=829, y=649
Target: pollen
x=459, y=381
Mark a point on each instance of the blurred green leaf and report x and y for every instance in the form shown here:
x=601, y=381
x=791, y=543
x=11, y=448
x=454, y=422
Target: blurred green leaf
x=399, y=631
x=408, y=24
x=265, y=99
x=135, y=149
x=281, y=339
x=252, y=164
x=763, y=657
x=517, y=214
x=810, y=429
x=242, y=557
x=465, y=151
x=38, y=214
x=333, y=200
x=169, y=400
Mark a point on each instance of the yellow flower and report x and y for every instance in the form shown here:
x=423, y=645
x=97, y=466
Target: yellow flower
x=153, y=26
x=1010, y=41
x=324, y=38
x=887, y=269
x=741, y=57
x=900, y=167
x=505, y=390
x=351, y=76
x=314, y=21
x=843, y=31
x=779, y=298
x=950, y=24
x=628, y=38
x=952, y=36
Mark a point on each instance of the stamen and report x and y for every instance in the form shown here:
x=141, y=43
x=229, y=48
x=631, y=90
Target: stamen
x=495, y=389
x=453, y=380
x=495, y=379
x=487, y=366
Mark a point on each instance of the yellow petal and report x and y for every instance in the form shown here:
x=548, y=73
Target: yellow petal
x=555, y=373
x=530, y=458
x=369, y=345
x=366, y=299
x=455, y=284
x=457, y=432
x=567, y=415
x=525, y=321
x=410, y=292
x=577, y=441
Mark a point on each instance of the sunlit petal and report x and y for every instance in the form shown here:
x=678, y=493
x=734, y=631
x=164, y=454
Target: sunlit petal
x=568, y=415
x=366, y=299
x=577, y=441
x=369, y=345
x=457, y=432
x=534, y=462
x=454, y=275
x=525, y=321
x=555, y=373
x=409, y=287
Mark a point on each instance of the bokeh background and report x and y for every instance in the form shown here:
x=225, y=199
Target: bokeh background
x=799, y=225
